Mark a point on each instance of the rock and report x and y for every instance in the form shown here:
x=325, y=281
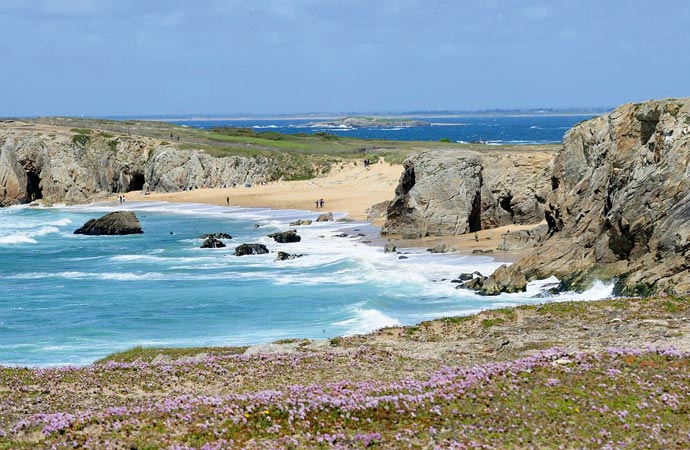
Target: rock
x=505, y=279
x=250, y=249
x=455, y=192
x=479, y=251
x=441, y=248
x=211, y=242
x=378, y=210
x=326, y=217
x=344, y=220
x=389, y=248
x=300, y=222
x=70, y=167
x=114, y=223
x=285, y=237
x=522, y=239
x=341, y=235
x=283, y=256
x=403, y=257
x=474, y=284
x=13, y=179
x=619, y=203
x=215, y=236
x=465, y=276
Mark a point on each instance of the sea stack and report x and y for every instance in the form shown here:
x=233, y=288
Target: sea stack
x=114, y=223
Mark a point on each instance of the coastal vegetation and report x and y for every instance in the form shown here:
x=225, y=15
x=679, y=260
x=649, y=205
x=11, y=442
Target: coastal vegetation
x=390, y=389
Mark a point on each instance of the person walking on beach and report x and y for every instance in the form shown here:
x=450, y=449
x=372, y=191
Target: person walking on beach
x=317, y=203
x=227, y=199
x=321, y=203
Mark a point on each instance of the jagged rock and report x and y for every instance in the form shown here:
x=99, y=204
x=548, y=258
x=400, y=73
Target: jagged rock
x=456, y=192
x=283, y=256
x=344, y=220
x=522, y=239
x=465, y=276
x=619, y=206
x=114, y=223
x=473, y=284
x=300, y=222
x=215, y=236
x=479, y=251
x=12, y=178
x=211, y=242
x=250, y=249
x=326, y=217
x=284, y=237
x=389, y=248
x=505, y=279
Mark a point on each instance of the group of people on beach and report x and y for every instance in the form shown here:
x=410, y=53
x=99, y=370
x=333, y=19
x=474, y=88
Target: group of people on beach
x=121, y=199
x=319, y=203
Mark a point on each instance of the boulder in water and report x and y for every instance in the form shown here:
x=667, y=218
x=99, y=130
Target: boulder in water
x=250, y=249
x=211, y=242
x=326, y=217
x=284, y=237
x=114, y=223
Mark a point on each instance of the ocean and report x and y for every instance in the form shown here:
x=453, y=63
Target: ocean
x=497, y=130
x=70, y=299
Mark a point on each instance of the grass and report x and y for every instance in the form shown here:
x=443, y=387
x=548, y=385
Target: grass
x=147, y=354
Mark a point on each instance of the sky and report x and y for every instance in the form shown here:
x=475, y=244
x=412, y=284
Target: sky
x=156, y=57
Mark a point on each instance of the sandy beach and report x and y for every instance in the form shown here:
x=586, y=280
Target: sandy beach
x=349, y=188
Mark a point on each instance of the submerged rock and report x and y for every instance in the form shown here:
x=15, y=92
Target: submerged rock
x=283, y=256
x=215, y=236
x=250, y=249
x=300, y=222
x=114, y=223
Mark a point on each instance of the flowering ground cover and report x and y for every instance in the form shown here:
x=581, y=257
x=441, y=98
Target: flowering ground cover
x=359, y=397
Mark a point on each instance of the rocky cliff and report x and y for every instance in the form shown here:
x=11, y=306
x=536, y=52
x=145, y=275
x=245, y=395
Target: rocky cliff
x=58, y=164
x=619, y=202
x=459, y=191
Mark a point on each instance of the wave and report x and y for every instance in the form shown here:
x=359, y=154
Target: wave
x=365, y=321
x=264, y=126
x=17, y=239
x=28, y=236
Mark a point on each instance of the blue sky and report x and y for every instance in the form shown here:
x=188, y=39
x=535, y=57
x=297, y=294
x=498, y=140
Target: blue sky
x=125, y=57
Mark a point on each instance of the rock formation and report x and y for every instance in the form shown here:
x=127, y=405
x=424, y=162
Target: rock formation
x=60, y=164
x=619, y=206
x=456, y=192
x=114, y=223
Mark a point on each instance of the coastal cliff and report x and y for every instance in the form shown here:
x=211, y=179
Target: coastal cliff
x=454, y=192
x=59, y=164
x=619, y=203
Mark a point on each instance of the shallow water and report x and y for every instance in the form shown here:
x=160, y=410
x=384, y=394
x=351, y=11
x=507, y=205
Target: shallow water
x=71, y=299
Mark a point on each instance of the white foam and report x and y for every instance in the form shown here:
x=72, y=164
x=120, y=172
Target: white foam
x=17, y=239
x=366, y=320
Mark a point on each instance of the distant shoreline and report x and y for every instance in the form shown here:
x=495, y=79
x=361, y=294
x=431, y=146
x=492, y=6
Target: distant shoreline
x=335, y=116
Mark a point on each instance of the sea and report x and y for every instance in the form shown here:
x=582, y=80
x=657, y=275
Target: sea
x=489, y=129
x=69, y=299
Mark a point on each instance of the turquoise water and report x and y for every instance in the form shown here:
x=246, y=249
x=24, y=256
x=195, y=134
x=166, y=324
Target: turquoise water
x=498, y=129
x=71, y=299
